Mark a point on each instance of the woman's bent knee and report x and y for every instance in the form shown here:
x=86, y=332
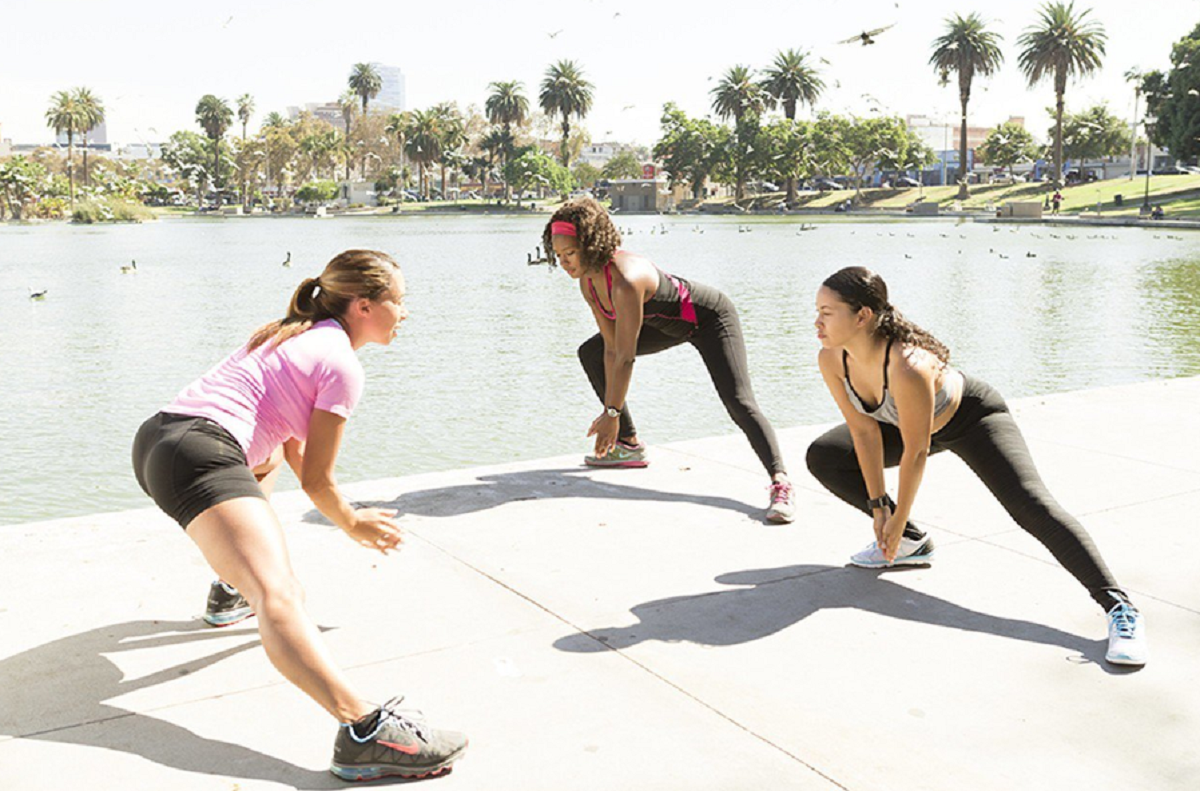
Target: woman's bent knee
x=278, y=599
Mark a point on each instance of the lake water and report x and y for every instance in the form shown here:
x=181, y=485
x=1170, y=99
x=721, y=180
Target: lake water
x=485, y=369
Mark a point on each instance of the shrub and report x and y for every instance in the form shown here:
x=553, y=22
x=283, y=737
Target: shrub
x=110, y=210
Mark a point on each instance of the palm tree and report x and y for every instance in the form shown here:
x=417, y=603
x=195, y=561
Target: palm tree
x=245, y=109
x=967, y=49
x=422, y=142
x=365, y=81
x=498, y=144
x=507, y=105
x=1136, y=76
x=214, y=116
x=64, y=115
x=451, y=136
x=1063, y=44
x=91, y=113
x=790, y=80
x=737, y=94
x=565, y=92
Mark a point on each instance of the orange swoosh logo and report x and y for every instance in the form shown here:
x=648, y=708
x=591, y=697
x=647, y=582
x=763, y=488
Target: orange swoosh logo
x=408, y=749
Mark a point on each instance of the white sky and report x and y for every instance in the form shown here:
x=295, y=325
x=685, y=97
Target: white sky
x=151, y=61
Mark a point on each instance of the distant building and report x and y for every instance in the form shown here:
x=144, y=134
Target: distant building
x=96, y=137
x=392, y=96
x=330, y=112
x=943, y=138
x=5, y=145
x=644, y=195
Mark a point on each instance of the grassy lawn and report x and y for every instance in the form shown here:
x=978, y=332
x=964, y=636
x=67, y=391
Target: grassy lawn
x=1179, y=196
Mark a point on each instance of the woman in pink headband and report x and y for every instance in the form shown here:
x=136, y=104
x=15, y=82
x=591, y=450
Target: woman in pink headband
x=640, y=309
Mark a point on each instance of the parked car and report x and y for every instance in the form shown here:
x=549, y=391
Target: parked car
x=906, y=181
x=824, y=184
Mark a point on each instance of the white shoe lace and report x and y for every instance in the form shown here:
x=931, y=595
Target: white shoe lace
x=411, y=720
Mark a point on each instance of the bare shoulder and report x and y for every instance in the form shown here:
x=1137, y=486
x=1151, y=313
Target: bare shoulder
x=829, y=360
x=914, y=366
x=636, y=270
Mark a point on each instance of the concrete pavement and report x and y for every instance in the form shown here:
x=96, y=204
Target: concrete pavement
x=644, y=629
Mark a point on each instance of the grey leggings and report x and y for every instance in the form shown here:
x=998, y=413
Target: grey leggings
x=984, y=435
x=718, y=338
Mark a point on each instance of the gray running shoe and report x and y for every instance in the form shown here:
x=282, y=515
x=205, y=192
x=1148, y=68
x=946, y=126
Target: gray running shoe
x=225, y=605
x=400, y=744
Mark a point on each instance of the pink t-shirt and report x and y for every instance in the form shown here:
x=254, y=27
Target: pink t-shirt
x=267, y=396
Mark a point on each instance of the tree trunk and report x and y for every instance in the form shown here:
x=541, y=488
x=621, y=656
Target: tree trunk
x=964, y=191
x=1133, y=144
x=566, y=127
x=71, y=165
x=87, y=178
x=1060, y=84
x=443, y=164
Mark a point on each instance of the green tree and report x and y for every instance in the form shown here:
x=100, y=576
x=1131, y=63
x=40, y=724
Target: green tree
x=790, y=80
x=452, y=136
x=565, y=92
x=586, y=174
x=1061, y=45
x=497, y=145
x=506, y=105
x=966, y=48
x=874, y=142
x=1007, y=145
x=65, y=115
x=624, y=165
x=689, y=148
x=320, y=192
x=786, y=152
x=1094, y=133
x=536, y=170
x=91, y=114
x=214, y=116
x=186, y=154
x=1175, y=100
x=20, y=185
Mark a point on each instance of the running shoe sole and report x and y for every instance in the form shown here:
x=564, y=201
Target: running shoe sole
x=635, y=463
x=228, y=618
x=1124, y=660
x=909, y=560
x=356, y=773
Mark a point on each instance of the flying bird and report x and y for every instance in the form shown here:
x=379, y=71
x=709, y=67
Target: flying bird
x=554, y=34
x=227, y=21
x=38, y=295
x=867, y=36
x=628, y=107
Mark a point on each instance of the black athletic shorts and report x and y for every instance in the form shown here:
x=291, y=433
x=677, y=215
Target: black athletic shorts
x=189, y=464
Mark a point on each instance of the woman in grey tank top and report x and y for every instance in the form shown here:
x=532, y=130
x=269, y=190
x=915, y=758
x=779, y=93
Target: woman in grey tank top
x=902, y=402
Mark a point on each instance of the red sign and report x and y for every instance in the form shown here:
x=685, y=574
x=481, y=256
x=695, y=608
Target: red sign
x=647, y=171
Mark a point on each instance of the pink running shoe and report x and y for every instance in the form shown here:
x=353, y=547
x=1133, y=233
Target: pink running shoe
x=783, y=503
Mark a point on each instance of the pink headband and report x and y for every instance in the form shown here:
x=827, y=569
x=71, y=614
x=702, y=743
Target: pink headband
x=560, y=228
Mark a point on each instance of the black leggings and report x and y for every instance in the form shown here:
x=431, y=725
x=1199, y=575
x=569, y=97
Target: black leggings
x=984, y=435
x=718, y=338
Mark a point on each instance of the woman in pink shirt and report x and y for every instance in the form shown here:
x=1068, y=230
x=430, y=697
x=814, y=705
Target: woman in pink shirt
x=210, y=458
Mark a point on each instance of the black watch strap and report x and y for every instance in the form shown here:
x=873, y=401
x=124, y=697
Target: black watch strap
x=881, y=502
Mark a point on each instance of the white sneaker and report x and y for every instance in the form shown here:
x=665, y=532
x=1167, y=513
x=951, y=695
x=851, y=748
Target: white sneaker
x=1126, y=636
x=912, y=552
x=783, y=503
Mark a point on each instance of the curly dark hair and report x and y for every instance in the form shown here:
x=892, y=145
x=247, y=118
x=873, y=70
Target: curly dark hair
x=860, y=288
x=598, y=238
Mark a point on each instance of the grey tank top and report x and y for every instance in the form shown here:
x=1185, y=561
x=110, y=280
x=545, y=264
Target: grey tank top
x=886, y=412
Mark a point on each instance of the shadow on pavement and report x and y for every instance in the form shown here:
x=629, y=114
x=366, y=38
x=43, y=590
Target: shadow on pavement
x=493, y=491
x=56, y=692
x=772, y=600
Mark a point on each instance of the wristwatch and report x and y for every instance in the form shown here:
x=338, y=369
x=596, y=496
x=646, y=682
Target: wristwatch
x=884, y=501
x=612, y=411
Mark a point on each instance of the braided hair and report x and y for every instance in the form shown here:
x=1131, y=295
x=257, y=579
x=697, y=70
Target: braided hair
x=860, y=288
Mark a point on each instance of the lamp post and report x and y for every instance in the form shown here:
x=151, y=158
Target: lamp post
x=1148, y=125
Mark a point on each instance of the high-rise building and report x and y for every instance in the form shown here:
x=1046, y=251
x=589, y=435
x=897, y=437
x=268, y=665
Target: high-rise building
x=97, y=136
x=392, y=97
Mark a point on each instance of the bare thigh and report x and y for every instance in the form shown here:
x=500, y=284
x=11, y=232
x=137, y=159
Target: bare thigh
x=243, y=542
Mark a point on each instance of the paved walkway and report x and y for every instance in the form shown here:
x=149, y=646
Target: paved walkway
x=645, y=630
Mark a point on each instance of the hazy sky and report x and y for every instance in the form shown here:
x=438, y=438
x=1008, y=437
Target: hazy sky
x=151, y=61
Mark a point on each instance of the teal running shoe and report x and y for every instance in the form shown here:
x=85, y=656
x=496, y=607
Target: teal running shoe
x=621, y=455
x=397, y=744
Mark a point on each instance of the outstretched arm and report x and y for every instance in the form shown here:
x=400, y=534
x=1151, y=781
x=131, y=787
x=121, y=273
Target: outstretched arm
x=913, y=390
x=370, y=527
